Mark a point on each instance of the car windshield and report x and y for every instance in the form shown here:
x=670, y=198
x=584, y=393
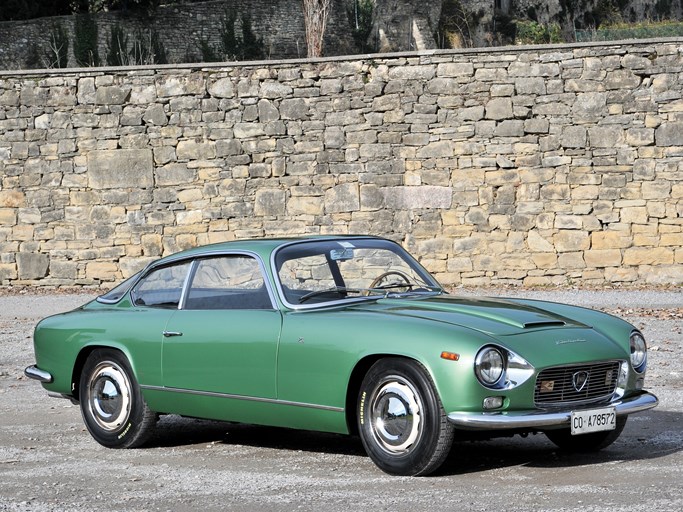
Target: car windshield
x=314, y=272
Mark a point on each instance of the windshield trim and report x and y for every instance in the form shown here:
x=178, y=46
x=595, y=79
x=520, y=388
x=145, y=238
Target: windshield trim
x=348, y=300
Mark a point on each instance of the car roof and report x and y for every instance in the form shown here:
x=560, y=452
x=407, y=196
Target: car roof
x=261, y=246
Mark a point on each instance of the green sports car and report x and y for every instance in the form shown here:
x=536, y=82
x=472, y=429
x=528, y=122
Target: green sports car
x=339, y=334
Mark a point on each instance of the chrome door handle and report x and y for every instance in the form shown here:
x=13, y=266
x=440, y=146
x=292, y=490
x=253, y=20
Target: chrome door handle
x=169, y=334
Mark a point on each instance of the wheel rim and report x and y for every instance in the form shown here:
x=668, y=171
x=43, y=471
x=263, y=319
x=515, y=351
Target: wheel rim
x=109, y=393
x=396, y=418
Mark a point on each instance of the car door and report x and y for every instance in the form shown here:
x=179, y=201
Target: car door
x=224, y=338
x=155, y=299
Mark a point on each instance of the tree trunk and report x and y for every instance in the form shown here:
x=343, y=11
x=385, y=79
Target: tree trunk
x=315, y=19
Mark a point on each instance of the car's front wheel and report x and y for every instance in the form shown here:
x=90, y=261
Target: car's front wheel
x=402, y=423
x=594, y=442
x=112, y=405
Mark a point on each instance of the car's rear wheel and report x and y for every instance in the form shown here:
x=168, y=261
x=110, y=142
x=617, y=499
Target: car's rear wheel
x=401, y=421
x=586, y=442
x=112, y=405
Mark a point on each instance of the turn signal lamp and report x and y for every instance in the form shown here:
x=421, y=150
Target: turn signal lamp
x=450, y=356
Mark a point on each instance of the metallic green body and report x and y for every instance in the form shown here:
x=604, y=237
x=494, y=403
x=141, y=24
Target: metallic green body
x=294, y=368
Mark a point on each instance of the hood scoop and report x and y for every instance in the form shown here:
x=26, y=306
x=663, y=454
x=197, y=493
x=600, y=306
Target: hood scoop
x=540, y=324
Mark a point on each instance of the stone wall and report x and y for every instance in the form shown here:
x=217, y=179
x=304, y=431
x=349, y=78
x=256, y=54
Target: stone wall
x=400, y=25
x=534, y=166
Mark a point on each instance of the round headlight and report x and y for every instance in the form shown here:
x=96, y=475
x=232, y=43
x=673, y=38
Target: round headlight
x=489, y=366
x=638, y=351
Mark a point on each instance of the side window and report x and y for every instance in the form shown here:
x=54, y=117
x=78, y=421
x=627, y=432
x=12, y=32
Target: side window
x=162, y=287
x=301, y=276
x=228, y=282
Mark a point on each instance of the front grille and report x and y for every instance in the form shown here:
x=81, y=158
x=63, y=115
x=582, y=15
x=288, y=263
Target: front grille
x=576, y=384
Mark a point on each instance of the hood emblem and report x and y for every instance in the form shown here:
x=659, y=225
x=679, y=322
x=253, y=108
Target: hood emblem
x=565, y=342
x=579, y=381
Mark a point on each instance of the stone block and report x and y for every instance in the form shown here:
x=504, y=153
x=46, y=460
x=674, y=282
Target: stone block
x=439, y=149
x=193, y=150
x=222, y=88
x=601, y=240
x=64, y=270
x=640, y=137
x=509, y=128
x=155, y=115
x=8, y=271
x=606, y=136
x=669, y=134
x=32, y=265
x=422, y=73
x=537, y=243
x=533, y=85
x=305, y=205
x=179, y=85
x=112, y=95
x=621, y=79
x=102, y=271
x=499, y=109
x=174, y=174
x=656, y=189
x=648, y=256
x=342, y=198
x=269, y=202
x=590, y=105
x=120, y=168
x=571, y=241
x=536, y=125
x=425, y=196
x=12, y=199
x=455, y=69
x=602, y=258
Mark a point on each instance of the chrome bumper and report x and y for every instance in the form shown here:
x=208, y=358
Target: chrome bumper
x=543, y=419
x=33, y=372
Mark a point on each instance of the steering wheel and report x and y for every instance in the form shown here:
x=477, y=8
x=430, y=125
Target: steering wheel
x=404, y=277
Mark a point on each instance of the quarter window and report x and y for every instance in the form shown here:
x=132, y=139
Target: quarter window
x=162, y=287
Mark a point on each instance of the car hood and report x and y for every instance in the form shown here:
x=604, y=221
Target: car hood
x=494, y=317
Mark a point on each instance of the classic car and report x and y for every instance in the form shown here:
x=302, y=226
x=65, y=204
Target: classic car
x=344, y=334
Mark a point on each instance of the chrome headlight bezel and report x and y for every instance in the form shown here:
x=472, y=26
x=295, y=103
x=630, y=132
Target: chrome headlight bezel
x=514, y=369
x=489, y=366
x=638, y=351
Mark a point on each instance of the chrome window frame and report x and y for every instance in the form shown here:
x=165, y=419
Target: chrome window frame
x=193, y=259
x=347, y=301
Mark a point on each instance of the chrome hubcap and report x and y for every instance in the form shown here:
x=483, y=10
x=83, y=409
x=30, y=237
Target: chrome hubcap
x=396, y=416
x=109, y=396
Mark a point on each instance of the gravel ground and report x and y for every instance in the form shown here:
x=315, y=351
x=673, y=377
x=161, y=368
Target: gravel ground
x=49, y=462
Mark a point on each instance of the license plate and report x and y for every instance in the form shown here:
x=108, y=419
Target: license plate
x=594, y=420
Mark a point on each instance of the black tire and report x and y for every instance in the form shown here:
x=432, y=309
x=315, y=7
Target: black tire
x=112, y=405
x=586, y=443
x=415, y=437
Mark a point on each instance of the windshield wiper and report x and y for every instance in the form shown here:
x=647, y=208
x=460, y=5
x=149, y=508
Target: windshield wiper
x=315, y=293
x=335, y=289
x=422, y=290
x=412, y=287
x=381, y=291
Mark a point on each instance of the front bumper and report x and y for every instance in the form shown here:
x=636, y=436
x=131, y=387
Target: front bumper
x=33, y=372
x=505, y=420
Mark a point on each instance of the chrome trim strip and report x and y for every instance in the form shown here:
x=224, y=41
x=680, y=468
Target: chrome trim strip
x=540, y=419
x=243, y=397
x=33, y=372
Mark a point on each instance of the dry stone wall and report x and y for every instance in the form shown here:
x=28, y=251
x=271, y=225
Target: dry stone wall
x=534, y=166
